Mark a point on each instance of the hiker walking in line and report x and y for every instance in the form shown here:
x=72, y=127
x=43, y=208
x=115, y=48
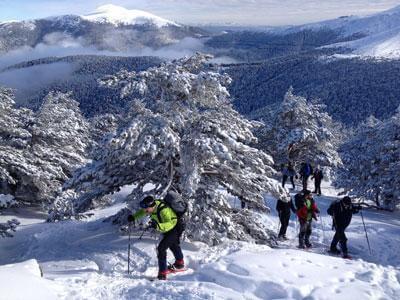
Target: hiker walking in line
x=165, y=220
x=288, y=171
x=284, y=209
x=305, y=171
x=317, y=176
x=341, y=212
x=307, y=210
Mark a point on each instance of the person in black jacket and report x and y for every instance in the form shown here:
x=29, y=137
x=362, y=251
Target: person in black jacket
x=317, y=176
x=341, y=212
x=283, y=209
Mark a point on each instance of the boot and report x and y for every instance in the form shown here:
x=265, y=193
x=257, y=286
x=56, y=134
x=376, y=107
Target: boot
x=308, y=244
x=179, y=264
x=162, y=275
x=301, y=244
x=334, y=250
x=346, y=255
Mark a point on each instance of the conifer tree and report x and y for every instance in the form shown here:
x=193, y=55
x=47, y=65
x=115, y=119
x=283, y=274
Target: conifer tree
x=184, y=135
x=371, y=162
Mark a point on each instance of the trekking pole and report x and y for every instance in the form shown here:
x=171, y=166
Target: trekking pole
x=129, y=247
x=366, y=235
x=323, y=231
x=144, y=230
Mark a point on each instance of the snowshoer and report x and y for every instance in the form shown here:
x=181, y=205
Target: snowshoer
x=288, y=171
x=306, y=211
x=341, y=212
x=317, y=176
x=283, y=209
x=165, y=220
x=305, y=171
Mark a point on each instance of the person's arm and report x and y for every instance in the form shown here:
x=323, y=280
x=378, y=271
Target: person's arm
x=139, y=214
x=356, y=208
x=278, y=205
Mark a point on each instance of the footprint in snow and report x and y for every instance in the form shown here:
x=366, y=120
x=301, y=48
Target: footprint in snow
x=235, y=269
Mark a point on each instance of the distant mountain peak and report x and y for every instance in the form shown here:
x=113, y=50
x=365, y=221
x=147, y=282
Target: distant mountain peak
x=116, y=15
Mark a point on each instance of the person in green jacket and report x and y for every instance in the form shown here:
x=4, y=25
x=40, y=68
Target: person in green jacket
x=164, y=220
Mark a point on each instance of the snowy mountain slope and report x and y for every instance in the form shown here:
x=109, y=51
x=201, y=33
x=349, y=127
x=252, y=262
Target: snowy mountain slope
x=375, y=35
x=348, y=25
x=118, y=15
x=89, y=260
x=385, y=44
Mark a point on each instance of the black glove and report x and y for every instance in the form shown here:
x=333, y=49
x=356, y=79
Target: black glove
x=131, y=218
x=153, y=224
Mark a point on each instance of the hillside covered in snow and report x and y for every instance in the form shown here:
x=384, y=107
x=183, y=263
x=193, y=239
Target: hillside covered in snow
x=88, y=260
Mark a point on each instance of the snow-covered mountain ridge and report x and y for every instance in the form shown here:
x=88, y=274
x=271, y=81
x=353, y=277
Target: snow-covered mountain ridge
x=119, y=15
x=109, y=27
x=377, y=34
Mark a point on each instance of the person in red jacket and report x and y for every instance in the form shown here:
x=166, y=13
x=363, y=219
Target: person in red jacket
x=307, y=210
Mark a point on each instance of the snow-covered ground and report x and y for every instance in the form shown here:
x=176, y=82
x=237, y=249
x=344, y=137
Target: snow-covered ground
x=88, y=260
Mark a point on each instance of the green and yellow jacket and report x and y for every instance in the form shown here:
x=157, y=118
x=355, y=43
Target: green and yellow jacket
x=164, y=216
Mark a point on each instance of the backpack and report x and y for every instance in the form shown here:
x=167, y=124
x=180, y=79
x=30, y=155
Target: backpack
x=175, y=202
x=299, y=200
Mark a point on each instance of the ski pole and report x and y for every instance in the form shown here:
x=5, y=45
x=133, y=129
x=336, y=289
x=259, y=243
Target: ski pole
x=129, y=247
x=323, y=231
x=366, y=235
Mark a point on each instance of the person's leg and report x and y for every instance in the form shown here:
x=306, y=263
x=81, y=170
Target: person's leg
x=284, y=224
x=318, y=187
x=305, y=179
x=165, y=243
x=162, y=255
x=308, y=233
x=334, y=243
x=284, y=178
x=302, y=233
x=343, y=242
x=176, y=243
x=292, y=182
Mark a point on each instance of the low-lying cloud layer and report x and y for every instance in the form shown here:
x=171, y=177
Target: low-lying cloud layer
x=29, y=79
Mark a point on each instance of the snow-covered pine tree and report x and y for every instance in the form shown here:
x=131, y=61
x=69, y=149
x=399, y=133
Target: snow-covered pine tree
x=10, y=226
x=39, y=152
x=371, y=164
x=60, y=136
x=14, y=139
x=184, y=135
x=298, y=130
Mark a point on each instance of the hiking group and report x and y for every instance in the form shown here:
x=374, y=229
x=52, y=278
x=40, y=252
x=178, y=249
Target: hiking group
x=306, y=171
x=306, y=211
x=167, y=217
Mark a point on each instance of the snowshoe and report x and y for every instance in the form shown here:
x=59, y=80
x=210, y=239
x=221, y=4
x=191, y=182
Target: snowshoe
x=176, y=266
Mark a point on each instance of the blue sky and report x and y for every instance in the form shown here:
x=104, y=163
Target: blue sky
x=249, y=12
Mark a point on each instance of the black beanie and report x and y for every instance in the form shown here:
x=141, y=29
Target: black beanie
x=147, y=202
x=346, y=200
